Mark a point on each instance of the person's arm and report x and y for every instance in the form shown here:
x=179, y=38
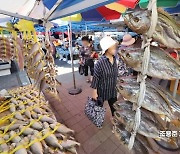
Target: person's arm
x=95, y=81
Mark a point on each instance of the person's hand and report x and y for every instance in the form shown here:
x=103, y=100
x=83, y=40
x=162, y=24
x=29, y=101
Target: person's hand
x=94, y=94
x=80, y=62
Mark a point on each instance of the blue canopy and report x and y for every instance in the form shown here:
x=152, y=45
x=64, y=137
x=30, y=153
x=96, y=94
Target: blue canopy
x=78, y=27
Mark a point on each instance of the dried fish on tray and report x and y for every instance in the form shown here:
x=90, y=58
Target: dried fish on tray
x=27, y=125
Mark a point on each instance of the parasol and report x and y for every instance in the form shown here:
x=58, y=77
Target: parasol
x=106, y=12
x=160, y=3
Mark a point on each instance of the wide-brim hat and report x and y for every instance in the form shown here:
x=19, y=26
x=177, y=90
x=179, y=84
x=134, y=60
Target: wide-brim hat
x=127, y=40
x=106, y=43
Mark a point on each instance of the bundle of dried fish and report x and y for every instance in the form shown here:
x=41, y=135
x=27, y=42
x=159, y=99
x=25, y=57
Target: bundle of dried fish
x=161, y=64
x=172, y=102
x=147, y=127
x=124, y=136
x=126, y=105
x=29, y=127
x=12, y=49
x=167, y=31
x=159, y=105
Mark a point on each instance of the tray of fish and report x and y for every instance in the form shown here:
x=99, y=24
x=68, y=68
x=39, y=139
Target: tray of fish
x=28, y=125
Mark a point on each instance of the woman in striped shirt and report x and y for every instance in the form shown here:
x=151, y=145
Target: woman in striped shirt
x=105, y=74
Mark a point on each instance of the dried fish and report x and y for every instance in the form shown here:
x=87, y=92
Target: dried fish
x=14, y=101
x=16, y=139
x=126, y=105
x=161, y=64
x=52, y=140
x=167, y=30
x=72, y=150
x=4, y=147
x=21, y=106
x=36, y=148
x=27, y=131
x=6, y=137
x=12, y=108
x=69, y=143
x=159, y=105
x=47, y=119
x=21, y=151
x=37, y=125
x=62, y=129
x=34, y=115
x=19, y=116
x=27, y=113
x=13, y=127
x=37, y=110
x=147, y=127
x=124, y=137
x=34, y=49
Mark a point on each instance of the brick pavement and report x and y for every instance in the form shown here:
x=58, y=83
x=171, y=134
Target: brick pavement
x=71, y=112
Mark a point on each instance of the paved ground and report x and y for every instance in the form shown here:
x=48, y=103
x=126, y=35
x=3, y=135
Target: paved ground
x=71, y=112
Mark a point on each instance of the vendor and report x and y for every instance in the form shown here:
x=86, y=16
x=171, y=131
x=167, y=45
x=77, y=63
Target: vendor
x=105, y=74
x=86, y=57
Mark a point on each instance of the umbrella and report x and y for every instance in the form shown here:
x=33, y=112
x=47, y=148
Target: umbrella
x=160, y=3
x=106, y=12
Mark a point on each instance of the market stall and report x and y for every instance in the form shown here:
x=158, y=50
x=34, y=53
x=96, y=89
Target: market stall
x=27, y=122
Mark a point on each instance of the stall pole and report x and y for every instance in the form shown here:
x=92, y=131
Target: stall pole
x=74, y=90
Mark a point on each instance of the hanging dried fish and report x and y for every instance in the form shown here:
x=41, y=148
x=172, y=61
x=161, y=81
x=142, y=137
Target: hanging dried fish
x=167, y=30
x=161, y=64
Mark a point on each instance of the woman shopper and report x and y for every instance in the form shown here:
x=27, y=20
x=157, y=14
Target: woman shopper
x=105, y=74
x=86, y=57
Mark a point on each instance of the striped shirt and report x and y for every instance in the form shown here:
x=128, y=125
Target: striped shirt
x=105, y=78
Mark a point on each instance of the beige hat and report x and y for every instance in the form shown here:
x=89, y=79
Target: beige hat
x=127, y=40
x=106, y=42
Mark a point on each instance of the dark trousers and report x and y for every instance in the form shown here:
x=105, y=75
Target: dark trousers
x=111, y=102
x=89, y=64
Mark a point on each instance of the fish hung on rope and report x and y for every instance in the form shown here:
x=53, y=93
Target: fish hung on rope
x=41, y=68
x=161, y=64
x=123, y=135
x=11, y=48
x=167, y=30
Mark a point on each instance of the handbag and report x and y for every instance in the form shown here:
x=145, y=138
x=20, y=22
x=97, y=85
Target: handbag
x=95, y=112
x=81, y=69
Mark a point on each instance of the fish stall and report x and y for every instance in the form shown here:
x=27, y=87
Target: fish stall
x=27, y=123
x=146, y=110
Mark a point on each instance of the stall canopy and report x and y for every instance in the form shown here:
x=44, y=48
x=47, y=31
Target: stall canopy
x=37, y=9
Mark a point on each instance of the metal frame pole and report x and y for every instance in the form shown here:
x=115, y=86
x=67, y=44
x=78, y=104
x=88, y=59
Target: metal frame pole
x=74, y=90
